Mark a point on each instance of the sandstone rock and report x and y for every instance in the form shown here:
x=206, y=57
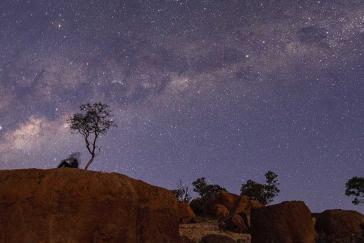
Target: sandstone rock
x=287, y=222
x=230, y=200
x=236, y=224
x=227, y=199
x=334, y=225
x=220, y=211
x=185, y=239
x=185, y=213
x=255, y=204
x=71, y=205
x=195, y=232
x=240, y=207
x=197, y=206
x=212, y=238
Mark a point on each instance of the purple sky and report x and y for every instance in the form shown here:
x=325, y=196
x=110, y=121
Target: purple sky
x=221, y=89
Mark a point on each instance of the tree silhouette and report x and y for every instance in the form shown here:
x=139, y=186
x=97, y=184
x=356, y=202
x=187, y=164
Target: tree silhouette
x=93, y=121
x=205, y=190
x=355, y=188
x=264, y=193
x=182, y=193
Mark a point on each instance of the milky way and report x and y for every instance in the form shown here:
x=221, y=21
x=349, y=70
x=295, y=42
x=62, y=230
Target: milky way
x=221, y=89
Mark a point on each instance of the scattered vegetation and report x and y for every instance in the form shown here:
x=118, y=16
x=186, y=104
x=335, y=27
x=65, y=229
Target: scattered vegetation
x=73, y=161
x=205, y=190
x=264, y=193
x=182, y=193
x=355, y=188
x=93, y=121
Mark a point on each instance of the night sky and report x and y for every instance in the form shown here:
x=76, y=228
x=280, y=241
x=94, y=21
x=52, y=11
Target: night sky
x=221, y=89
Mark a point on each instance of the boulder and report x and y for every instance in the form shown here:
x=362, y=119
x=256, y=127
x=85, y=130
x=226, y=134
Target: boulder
x=203, y=207
x=185, y=213
x=236, y=224
x=230, y=201
x=337, y=224
x=239, y=206
x=197, y=231
x=287, y=222
x=227, y=199
x=185, y=239
x=71, y=205
x=220, y=211
x=197, y=205
x=215, y=238
x=255, y=204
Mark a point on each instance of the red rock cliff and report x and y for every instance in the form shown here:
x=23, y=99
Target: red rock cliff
x=71, y=205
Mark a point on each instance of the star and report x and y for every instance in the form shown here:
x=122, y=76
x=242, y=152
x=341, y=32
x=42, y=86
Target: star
x=220, y=89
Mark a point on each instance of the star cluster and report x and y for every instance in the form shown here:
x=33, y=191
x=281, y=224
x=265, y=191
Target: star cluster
x=221, y=89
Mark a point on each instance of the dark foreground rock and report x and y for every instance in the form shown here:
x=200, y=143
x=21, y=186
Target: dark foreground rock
x=236, y=224
x=197, y=206
x=230, y=200
x=287, y=222
x=217, y=239
x=196, y=232
x=230, y=209
x=70, y=205
x=185, y=213
x=339, y=226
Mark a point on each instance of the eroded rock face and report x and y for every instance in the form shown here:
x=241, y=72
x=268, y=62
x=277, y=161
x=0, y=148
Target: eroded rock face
x=230, y=201
x=209, y=230
x=214, y=238
x=233, y=210
x=236, y=224
x=337, y=224
x=71, y=205
x=287, y=222
x=213, y=207
x=185, y=213
x=197, y=205
x=220, y=211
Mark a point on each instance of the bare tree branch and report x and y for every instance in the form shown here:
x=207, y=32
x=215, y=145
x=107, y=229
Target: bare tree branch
x=94, y=120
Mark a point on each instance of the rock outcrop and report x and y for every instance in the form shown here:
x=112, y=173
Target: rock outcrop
x=213, y=238
x=339, y=225
x=71, y=205
x=220, y=211
x=197, y=205
x=226, y=199
x=238, y=210
x=185, y=213
x=287, y=222
x=231, y=210
x=236, y=224
x=230, y=200
x=208, y=229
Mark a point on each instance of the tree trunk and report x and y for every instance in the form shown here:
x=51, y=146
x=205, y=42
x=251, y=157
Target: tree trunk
x=89, y=162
